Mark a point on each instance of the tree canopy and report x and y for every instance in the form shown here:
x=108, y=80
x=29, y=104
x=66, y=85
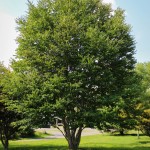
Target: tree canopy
x=75, y=58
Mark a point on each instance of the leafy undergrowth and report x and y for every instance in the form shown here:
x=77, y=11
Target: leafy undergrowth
x=37, y=135
x=41, y=135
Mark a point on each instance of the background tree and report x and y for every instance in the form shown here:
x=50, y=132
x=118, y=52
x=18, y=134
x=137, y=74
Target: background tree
x=15, y=87
x=128, y=112
x=125, y=115
x=8, y=116
x=143, y=69
x=77, y=56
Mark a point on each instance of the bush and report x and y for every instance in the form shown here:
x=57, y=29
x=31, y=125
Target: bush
x=27, y=132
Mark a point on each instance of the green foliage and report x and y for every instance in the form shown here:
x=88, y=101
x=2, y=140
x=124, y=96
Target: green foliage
x=8, y=116
x=145, y=122
x=127, y=110
x=27, y=131
x=12, y=117
x=75, y=58
x=128, y=107
x=143, y=69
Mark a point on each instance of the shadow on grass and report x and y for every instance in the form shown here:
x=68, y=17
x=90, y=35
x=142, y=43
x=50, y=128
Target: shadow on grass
x=82, y=148
x=126, y=135
x=144, y=142
x=118, y=148
x=39, y=148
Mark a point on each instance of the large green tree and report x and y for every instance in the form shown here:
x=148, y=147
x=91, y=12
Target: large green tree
x=76, y=56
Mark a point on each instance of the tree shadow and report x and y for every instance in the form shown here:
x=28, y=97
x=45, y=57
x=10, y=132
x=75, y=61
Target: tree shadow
x=126, y=134
x=144, y=142
x=39, y=148
x=117, y=148
x=82, y=148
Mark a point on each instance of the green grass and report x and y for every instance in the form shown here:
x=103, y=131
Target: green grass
x=106, y=142
x=96, y=142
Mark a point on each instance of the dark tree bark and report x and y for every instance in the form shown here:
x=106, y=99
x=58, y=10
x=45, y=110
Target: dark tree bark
x=5, y=142
x=74, y=139
x=121, y=132
x=72, y=135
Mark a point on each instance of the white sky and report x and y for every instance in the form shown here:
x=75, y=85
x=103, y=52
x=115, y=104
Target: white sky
x=8, y=13
x=7, y=37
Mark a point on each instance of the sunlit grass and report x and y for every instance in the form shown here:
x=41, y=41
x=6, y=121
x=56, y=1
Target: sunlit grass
x=105, y=142
x=96, y=142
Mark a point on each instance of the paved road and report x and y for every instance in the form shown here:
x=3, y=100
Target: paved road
x=55, y=133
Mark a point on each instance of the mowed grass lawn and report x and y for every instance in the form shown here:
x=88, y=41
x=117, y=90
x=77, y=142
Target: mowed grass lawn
x=95, y=142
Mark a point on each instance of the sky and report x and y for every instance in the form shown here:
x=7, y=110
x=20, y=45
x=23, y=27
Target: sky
x=137, y=15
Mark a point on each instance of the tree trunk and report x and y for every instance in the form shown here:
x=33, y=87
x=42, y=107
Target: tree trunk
x=74, y=139
x=6, y=145
x=121, y=132
x=4, y=140
x=138, y=135
x=72, y=145
x=72, y=135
